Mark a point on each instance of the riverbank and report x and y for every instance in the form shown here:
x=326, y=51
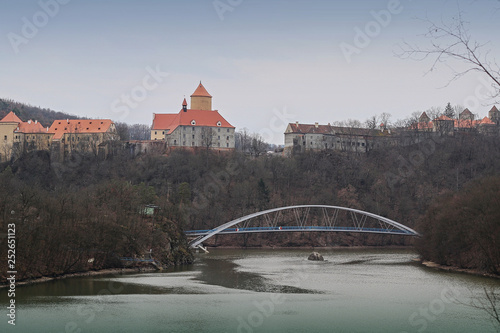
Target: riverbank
x=431, y=264
x=106, y=271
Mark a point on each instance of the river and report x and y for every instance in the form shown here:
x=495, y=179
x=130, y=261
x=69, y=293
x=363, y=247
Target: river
x=272, y=290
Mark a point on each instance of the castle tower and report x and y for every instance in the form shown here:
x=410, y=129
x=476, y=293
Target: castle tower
x=201, y=99
x=494, y=115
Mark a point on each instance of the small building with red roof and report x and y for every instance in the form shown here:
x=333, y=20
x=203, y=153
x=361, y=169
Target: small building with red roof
x=466, y=122
x=199, y=126
x=17, y=136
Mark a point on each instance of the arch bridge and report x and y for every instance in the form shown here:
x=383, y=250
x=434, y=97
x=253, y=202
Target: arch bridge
x=305, y=218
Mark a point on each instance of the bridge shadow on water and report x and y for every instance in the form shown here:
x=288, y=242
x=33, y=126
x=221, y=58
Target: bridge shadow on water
x=225, y=273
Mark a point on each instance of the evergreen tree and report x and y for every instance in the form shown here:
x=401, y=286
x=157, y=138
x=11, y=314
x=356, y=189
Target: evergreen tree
x=448, y=111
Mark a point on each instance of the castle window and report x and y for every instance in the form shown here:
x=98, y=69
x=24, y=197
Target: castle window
x=156, y=133
x=219, y=123
x=228, y=130
x=5, y=137
x=163, y=132
x=218, y=137
x=192, y=143
x=218, y=130
x=193, y=122
x=175, y=142
x=218, y=144
x=193, y=136
x=227, y=137
x=87, y=128
x=227, y=145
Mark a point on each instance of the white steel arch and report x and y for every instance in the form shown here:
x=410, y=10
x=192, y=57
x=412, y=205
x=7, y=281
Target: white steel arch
x=406, y=230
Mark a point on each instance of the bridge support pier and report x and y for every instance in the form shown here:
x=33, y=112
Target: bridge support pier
x=203, y=248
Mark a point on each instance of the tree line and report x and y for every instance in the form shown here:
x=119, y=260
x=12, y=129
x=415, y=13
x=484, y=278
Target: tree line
x=89, y=208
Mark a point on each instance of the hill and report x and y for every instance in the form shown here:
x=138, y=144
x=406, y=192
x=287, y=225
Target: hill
x=26, y=112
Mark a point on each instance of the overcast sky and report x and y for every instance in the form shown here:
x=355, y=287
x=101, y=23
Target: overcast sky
x=265, y=62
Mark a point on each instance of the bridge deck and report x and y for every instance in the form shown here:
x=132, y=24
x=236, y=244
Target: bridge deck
x=298, y=228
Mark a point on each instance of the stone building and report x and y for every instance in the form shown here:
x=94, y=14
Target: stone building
x=466, y=122
x=199, y=126
x=63, y=136
x=83, y=135
x=303, y=137
x=17, y=136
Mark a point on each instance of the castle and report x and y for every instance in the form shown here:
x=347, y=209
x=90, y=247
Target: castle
x=62, y=137
x=199, y=126
x=303, y=137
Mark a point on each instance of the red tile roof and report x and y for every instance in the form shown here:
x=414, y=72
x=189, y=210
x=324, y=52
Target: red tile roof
x=31, y=127
x=201, y=92
x=170, y=121
x=77, y=126
x=443, y=117
x=486, y=121
x=162, y=121
x=494, y=108
x=311, y=129
x=11, y=118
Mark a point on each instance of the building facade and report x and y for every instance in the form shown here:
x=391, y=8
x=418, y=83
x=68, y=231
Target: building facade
x=199, y=126
x=18, y=136
x=82, y=135
x=64, y=136
x=466, y=122
x=303, y=137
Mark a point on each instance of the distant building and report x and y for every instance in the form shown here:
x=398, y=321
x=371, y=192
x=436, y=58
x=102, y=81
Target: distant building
x=494, y=115
x=199, y=126
x=17, y=136
x=83, y=135
x=303, y=137
x=466, y=122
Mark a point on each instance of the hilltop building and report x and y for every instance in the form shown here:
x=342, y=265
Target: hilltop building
x=302, y=137
x=17, y=136
x=199, y=126
x=466, y=122
x=83, y=135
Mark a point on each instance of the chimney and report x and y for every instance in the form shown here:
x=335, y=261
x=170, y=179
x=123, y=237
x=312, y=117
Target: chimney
x=36, y=121
x=316, y=125
x=296, y=123
x=29, y=121
x=67, y=120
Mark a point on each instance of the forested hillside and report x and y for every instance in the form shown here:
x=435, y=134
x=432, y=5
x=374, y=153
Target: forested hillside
x=86, y=199
x=26, y=112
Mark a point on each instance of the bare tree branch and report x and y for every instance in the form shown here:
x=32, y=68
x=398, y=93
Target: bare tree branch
x=454, y=41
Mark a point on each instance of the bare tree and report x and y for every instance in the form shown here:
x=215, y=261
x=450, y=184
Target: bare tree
x=207, y=134
x=454, y=41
